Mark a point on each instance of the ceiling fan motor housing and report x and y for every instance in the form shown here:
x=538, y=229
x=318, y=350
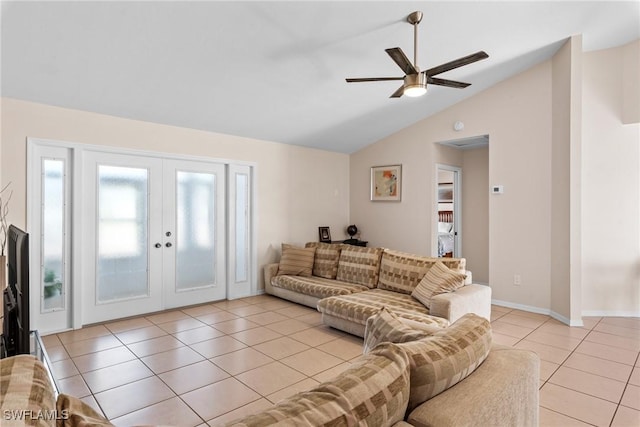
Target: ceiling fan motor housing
x=415, y=84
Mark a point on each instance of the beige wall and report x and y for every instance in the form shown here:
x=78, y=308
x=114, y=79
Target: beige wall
x=565, y=192
x=631, y=83
x=475, y=212
x=611, y=187
x=295, y=193
x=567, y=222
x=298, y=189
x=516, y=116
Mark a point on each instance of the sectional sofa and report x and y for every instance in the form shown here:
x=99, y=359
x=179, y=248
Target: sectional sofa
x=28, y=398
x=348, y=284
x=450, y=378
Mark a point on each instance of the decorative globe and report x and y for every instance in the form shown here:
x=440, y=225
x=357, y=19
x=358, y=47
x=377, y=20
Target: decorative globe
x=352, y=230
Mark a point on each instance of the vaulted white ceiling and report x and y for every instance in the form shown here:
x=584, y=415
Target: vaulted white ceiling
x=275, y=70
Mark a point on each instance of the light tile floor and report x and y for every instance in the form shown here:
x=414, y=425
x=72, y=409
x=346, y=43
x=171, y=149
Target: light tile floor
x=215, y=362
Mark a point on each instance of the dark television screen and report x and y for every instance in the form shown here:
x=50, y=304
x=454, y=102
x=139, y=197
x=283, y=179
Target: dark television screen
x=15, y=326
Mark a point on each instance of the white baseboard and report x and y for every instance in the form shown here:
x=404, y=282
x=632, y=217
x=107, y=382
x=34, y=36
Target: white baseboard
x=538, y=310
x=563, y=319
x=522, y=307
x=610, y=313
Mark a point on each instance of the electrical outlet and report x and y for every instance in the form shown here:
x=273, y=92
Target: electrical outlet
x=517, y=280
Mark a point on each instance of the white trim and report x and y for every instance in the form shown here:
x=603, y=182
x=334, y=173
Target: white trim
x=457, y=209
x=135, y=152
x=566, y=320
x=247, y=287
x=61, y=317
x=76, y=238
x=522, y=307
x=537, y=310
x=610, y=313
x=76, y=154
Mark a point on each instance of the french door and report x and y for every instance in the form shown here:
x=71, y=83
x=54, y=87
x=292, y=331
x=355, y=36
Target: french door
x=117, y=233
x=155, y=234
x=193, y=256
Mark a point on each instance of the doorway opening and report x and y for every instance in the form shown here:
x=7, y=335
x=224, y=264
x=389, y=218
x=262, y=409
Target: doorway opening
x=448, y=204
x=468, y=201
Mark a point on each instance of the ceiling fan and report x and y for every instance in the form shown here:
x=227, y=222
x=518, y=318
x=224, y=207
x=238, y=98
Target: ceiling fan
x=415, y=81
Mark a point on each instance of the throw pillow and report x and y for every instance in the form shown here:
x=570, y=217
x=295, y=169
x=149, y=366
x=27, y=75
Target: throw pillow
x=359, y=265
x=387, y=327
x=438, y=280
x=296, y=261
x=325, y=263
x=448, y=356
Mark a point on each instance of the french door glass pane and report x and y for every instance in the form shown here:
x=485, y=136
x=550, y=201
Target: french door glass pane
x=195, y=232
x=242, y=226
x=122, y=233
x=53, y=279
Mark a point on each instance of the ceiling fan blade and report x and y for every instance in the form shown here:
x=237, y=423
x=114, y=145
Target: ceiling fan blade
x=373, y=79
x=398, y=93
x=401, y=59
x=456, y=63
x=447, y=83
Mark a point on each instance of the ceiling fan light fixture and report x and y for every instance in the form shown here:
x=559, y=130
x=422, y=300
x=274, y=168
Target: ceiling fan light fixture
x=415, y=85
x=415, y=90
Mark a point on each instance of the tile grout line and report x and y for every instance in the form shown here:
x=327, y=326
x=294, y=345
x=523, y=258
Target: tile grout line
x=547, y=381
x=227, y=372
x=617, y=405
x=223, y=308
x=625, y=390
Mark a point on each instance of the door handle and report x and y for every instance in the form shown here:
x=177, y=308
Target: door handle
x=158, y=245
x=168, y=244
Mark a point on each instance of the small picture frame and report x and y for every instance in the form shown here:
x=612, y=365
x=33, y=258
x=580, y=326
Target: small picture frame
x=386, y=183
x=325, y=234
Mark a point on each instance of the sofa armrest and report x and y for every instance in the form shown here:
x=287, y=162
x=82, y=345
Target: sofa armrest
x=270, y=270
x=468, y=299
x=502, y=391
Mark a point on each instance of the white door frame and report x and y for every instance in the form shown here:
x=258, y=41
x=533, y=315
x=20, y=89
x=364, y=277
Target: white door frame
x=76, y=151
x=457, y=209
x=59, y=318
x=238, y=287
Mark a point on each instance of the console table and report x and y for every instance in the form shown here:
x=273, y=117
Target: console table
x=353, y=242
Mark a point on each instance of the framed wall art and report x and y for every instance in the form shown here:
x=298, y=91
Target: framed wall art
x=386, y=183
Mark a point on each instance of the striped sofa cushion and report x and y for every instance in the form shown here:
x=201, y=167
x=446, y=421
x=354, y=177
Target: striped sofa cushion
x=25, y=388
x=316, y=286
x=358, y=307
x=447, y=357
x=325, y=263
x=359, y=265
x=401, y=271
x=296, y=261
x=79, y=414
x=438, y=280
x=387, y=327
x=373, y=391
